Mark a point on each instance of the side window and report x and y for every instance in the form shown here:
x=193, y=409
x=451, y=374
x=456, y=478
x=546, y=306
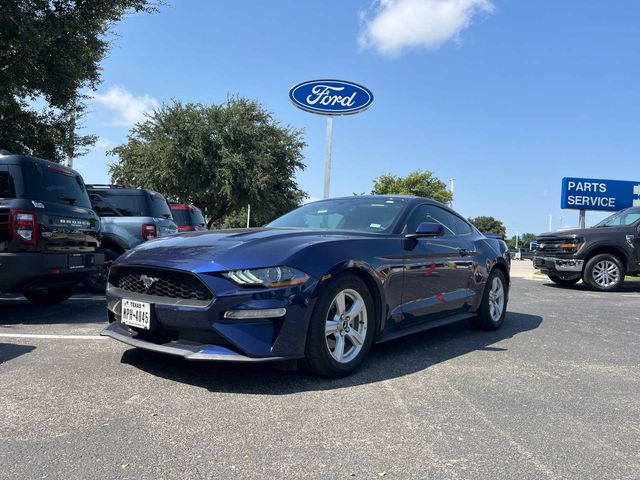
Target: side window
x=102, y=207
x=453, y=225
x=6, y=186
x=462, y=227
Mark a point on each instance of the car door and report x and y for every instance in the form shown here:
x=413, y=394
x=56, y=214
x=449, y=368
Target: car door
x=437, y=270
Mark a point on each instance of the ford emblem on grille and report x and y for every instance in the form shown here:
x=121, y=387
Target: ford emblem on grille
x=147, y=281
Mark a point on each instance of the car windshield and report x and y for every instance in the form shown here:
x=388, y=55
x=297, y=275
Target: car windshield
x=53, y=183
x=621, y=219
x=108, y=203
x=359, y=214
x=187, y=216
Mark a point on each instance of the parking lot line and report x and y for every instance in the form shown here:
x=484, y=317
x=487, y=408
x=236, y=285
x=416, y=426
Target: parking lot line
x=55, y=337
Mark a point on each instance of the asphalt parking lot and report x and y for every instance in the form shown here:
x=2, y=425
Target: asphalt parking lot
x=554, y=394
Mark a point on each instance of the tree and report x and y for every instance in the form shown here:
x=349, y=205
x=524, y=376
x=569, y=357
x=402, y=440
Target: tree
x=49, y=51
x=489, y=224
x=524, y=240
x=421, y=183
x=221, y=158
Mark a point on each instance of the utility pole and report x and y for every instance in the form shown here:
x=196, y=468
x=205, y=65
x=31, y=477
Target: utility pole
x=72, y=132
x=451, y=182
x=248, y=215
x=550, y=220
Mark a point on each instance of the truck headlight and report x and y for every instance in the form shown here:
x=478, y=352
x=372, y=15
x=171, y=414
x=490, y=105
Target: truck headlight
x=267, y=277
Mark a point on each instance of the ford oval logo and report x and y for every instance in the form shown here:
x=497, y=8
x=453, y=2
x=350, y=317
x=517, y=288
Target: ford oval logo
x=331, y=97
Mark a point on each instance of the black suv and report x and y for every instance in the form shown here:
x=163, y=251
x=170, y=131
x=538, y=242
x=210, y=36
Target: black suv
x=601, y=255
x=48, y=232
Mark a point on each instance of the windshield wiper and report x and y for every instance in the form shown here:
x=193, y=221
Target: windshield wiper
x=71, y=200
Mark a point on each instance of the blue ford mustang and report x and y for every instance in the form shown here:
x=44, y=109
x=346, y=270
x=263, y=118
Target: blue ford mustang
x=320, y=284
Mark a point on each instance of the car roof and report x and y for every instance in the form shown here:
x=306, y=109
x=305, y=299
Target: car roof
x=183, y=206
x=409, y=199
x=120, y=190
x=24, y=159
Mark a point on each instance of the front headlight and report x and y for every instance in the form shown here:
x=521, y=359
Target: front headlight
x=267, y=277
x=570, y=246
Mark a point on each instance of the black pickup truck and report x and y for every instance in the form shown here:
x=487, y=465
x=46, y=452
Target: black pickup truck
x=601, y=255
x=48, y=231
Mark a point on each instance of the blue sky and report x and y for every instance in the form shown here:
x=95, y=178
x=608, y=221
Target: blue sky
x=505, y=96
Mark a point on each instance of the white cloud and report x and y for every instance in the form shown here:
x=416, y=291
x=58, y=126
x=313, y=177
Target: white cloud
x=129, y=109
x=103, y=143
x=392, y=26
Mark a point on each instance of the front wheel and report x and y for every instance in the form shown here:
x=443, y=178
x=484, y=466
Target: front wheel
x=50, y=296
x=493, y=308
x=604, y=273
x=342, y=328
x=563, y=282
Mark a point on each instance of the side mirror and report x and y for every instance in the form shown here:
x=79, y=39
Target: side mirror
x=427, y=229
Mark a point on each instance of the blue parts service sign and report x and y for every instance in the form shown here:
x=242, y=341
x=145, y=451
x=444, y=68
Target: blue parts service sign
x=595, y=194
x=331, y=97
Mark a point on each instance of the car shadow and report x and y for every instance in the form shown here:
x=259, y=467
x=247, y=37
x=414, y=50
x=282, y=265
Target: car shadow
x=385, y=361
x=17, y=310
x=629, y=286
x=9, y=351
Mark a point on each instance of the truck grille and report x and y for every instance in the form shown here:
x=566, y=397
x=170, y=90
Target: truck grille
x=160, y=282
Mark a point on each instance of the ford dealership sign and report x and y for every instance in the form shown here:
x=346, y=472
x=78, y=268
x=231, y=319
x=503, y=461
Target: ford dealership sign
x=331, y=97
x=597, y=194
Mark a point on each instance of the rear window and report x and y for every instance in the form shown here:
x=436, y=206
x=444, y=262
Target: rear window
x=106, y=203
x=191, y=217
x=6, y=186
x=54, y=183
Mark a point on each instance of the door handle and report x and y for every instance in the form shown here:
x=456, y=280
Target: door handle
x=463, y=252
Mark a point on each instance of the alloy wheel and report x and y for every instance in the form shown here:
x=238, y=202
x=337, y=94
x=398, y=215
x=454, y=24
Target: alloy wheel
x=606, y=273
x=496, y=299
x=346, y=326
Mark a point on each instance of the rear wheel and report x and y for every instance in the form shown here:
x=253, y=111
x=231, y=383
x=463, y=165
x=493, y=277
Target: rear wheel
x=51, y=295
x=564, y=282
x=493, y=308
x=604, y=272
x=97, y=283
x=342, y=328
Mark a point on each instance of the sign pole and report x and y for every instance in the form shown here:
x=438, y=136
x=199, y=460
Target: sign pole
x=327, y=156
x=583, y=218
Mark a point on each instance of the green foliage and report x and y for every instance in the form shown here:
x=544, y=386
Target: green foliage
x=49, y=50
x=421, y=183
x=524, y=243
x=489, y=224
x=218, y=157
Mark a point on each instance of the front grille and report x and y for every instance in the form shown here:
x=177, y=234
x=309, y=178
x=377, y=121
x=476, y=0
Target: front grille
x=549, y=245
x=160, y=282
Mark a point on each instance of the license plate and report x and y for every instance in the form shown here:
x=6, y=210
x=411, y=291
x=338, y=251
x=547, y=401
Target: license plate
x=136, y=314
x=76, y=261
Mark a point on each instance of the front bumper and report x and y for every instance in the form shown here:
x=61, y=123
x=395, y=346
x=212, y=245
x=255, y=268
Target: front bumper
x=20, y=271
x=198, y=330
x=188, y=350
x=559, y=265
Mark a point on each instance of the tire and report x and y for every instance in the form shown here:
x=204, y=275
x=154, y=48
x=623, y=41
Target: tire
x=324, y=350
x=97, y=283
x=51, y=295
x=604, y=273
x=493, y=307
x=563, y=282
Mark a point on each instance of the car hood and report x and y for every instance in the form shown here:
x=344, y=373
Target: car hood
x=575, y=232
x=578, y=232
x=231, y=249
